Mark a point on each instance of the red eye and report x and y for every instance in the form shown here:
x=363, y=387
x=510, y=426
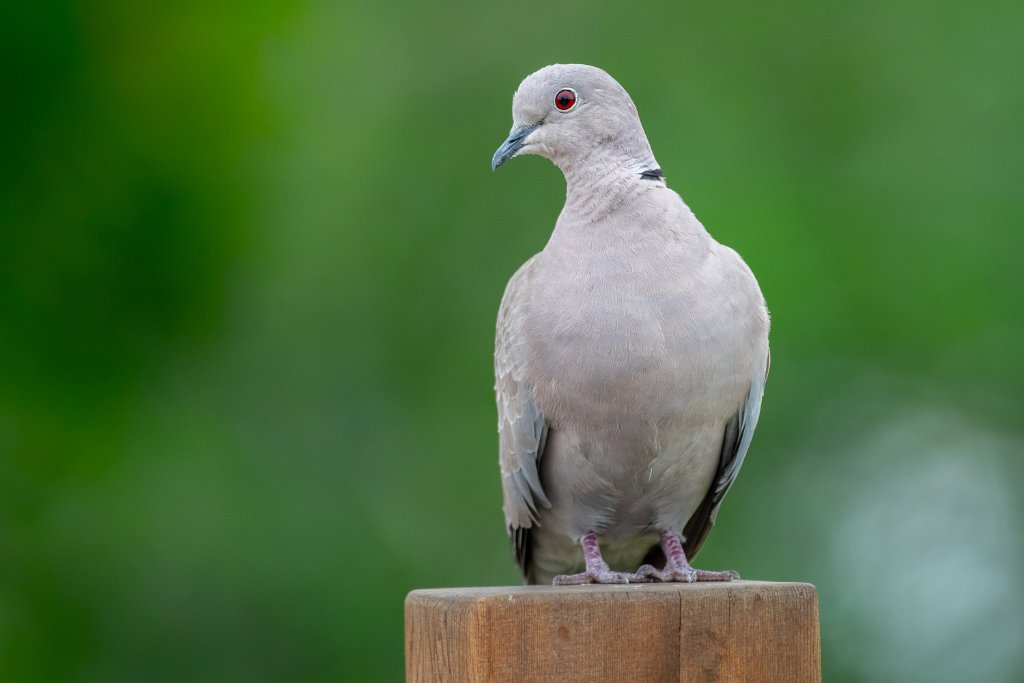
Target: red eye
x=565, y=99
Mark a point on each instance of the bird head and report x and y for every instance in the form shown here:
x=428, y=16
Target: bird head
x=574, y=114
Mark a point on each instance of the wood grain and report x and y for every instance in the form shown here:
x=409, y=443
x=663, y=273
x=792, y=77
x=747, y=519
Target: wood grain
x=743, y=631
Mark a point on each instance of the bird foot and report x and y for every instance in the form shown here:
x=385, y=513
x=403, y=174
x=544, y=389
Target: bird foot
x=684, y=574
x=599, y=573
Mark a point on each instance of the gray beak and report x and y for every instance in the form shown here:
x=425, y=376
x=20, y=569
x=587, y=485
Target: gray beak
x=514, y=143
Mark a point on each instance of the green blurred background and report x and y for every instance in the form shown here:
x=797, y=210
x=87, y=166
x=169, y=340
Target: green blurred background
x=251, y=255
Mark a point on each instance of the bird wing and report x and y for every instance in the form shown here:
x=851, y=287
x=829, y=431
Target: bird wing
x=522, y=429
x=739, y=430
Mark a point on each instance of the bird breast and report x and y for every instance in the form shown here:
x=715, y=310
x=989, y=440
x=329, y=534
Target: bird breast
x=617, y=347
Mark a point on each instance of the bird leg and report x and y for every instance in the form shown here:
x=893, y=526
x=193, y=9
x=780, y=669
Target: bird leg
x=597, y=569
x=678, y=568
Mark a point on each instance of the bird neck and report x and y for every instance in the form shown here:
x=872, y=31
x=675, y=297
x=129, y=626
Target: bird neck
x=597, y=186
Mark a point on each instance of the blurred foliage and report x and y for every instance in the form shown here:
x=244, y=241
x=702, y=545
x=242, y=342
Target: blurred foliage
x=250, y=259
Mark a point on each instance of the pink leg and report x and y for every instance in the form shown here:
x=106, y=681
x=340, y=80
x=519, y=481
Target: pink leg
x=597, y=569
x=678, y=567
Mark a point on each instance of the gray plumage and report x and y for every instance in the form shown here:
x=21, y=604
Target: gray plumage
x=631, y=352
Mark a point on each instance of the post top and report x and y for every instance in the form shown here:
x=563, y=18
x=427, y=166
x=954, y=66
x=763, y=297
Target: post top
x=668, y=591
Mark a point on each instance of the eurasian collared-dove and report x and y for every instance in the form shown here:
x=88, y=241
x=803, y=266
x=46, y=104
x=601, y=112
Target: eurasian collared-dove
x=631, y=353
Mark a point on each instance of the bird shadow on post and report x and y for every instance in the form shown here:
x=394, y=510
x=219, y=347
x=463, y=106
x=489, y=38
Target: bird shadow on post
x=746, y=631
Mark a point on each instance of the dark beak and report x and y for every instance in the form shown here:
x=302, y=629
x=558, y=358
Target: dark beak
x=514, y=143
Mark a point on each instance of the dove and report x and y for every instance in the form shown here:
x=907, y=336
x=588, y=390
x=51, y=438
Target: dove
x=631, y=354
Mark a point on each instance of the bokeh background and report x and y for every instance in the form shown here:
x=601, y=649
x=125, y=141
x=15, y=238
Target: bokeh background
x=251, y=255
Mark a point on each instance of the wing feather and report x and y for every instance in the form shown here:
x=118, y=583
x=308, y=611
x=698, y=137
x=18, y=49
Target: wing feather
x=522, y=429
x=738, y=432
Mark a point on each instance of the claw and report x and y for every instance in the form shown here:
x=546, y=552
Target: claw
x=598, y=574
x=598, y=570
x=678, y=568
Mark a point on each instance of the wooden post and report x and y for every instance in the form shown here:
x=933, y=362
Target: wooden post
x=742, y=631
